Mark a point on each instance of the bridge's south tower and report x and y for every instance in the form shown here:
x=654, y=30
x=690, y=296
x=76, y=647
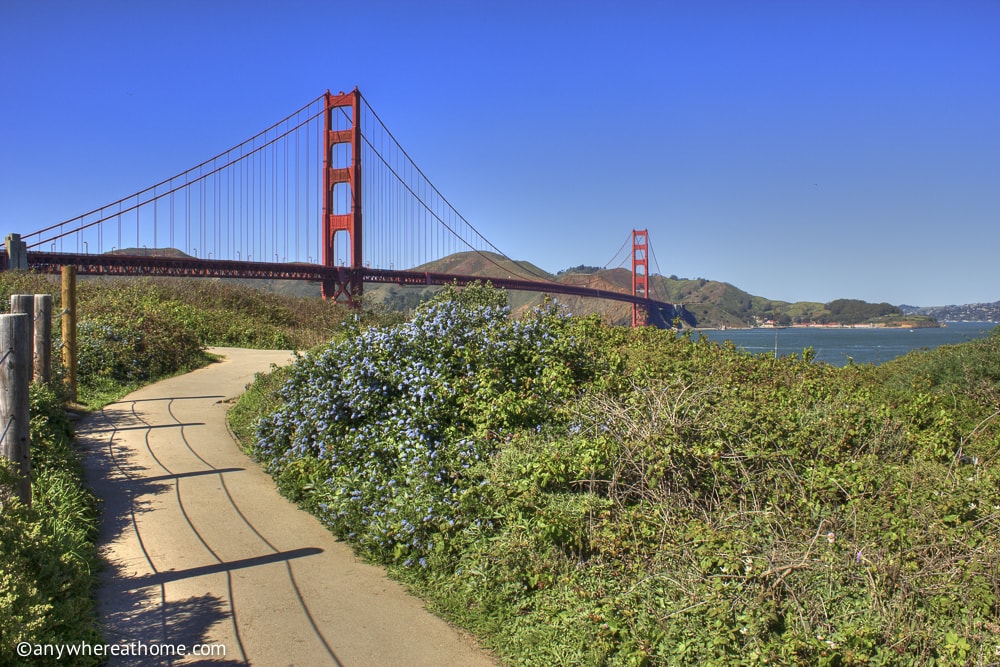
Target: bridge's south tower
x=342, y=197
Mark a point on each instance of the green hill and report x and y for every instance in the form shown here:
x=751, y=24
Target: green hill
x=702, y=303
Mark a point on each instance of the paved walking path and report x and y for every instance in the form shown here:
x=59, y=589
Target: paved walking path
x=201, y=549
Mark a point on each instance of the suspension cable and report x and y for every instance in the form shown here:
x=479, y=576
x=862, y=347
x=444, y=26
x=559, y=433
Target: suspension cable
x=167, y=181
x=615, y=256
x=201, y=177
x=655, y=263
x=448, y=203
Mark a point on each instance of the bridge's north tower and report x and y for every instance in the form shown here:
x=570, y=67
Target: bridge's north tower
x=640, y=275
x=342, y=197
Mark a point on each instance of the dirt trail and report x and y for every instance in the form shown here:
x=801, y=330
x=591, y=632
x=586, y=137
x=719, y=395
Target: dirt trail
x=202, y=550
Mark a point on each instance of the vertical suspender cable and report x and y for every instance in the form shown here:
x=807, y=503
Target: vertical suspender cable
x=254, y=206
x=251, y=204
x=187, y=220
x=423, y=223
x=274, y=203
x=308, y=218
x=383, y=208
x=408, y=226
x=296, y=190
x=284, y=147
x=265, y=254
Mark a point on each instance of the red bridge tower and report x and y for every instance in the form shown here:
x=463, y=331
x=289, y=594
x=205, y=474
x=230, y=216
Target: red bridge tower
x=347, y=286
x=640, y=276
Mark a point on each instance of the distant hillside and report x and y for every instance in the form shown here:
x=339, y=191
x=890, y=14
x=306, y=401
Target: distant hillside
x=297, y=288
x=701, y=303
x=698, y=302
x=496, y=266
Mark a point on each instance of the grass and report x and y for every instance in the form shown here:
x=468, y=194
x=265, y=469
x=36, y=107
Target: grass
x=260, y=398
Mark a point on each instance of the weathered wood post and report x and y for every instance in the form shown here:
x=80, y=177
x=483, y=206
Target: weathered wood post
x=15, y=424
x=43, y=338
x=24, y=304
x=69, y=329
x=17, y=252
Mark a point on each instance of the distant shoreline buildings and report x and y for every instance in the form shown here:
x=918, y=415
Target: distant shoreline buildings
x=970, y=312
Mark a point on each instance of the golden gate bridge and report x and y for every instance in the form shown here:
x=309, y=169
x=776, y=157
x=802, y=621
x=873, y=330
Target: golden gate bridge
x=326, y=194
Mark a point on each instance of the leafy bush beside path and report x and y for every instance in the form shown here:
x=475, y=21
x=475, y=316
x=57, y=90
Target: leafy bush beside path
x=582, y=494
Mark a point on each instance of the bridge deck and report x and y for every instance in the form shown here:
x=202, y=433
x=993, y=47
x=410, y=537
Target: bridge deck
x=189, y=267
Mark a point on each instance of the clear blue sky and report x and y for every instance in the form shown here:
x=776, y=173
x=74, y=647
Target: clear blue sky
x=799, y=150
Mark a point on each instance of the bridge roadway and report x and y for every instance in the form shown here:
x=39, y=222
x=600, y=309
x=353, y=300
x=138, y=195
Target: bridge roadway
x=134, y=265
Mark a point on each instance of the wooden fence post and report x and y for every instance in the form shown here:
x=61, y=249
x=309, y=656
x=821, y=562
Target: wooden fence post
x=69, y=329
x=15, y=424
x=24, y=304
x=43, y=338
x=17, y=252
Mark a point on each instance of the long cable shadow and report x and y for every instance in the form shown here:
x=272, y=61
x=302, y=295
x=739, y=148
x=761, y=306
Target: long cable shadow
x=216, y=568
x=116, y=429
x=138, y=612
x=165, y=398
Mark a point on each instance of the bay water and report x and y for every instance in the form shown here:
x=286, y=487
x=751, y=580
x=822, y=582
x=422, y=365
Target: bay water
x=838, y=346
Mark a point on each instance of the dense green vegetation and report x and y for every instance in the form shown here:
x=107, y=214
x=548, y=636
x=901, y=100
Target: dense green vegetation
x=129, y=333
x=581, y=494
x=47, y=549
x=574, y=493
x=852, y=311
x=582, y=268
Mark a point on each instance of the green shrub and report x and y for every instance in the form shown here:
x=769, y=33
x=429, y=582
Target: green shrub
x=134, y=346
x=653, y=500
x=23, y=282
x=219, y=313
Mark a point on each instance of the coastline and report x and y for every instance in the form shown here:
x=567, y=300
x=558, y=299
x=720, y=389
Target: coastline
x=867, y=327
x=840, y=345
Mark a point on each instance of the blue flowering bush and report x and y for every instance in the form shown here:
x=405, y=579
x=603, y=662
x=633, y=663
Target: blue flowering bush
x=390, y=423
